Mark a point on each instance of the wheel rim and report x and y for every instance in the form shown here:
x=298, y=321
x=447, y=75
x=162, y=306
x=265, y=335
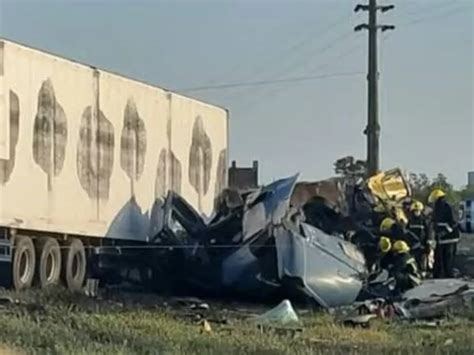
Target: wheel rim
x=24, y=268
x=50, y=267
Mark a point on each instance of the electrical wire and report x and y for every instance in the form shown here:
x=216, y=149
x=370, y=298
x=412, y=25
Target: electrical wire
x=298, y=51
x=351, y=50
x=440, y=16
x=277, y=77
x=268, y=82
x=293, y=48
x=313, y=35
x=425, y=9
x=301, y=64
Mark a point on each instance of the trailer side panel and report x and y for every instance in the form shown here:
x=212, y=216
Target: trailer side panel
x=87, y=152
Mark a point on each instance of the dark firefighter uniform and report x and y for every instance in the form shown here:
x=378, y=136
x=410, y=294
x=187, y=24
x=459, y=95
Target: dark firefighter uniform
x=447, y=235
x=404, y=268
x=396, y=231
x=419, y=229
x=400, y=264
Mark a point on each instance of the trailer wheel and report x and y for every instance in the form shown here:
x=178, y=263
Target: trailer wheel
x=49, y=262
x=24, y=260
x=74, y=265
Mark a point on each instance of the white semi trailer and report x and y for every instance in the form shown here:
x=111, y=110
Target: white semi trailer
x=86, y=156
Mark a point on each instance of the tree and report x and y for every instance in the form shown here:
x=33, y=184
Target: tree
x=422, y=186
x=349, y=167
x=467, y=193
x=441, y=182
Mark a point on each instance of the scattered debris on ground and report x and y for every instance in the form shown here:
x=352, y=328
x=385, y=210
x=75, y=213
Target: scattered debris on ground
x=280, y=315
x=56, y=321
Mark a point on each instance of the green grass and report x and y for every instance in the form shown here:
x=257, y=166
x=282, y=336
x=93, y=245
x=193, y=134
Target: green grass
x=73, y=324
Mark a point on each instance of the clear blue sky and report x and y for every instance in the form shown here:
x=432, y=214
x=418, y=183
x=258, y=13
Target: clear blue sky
x=426, y=94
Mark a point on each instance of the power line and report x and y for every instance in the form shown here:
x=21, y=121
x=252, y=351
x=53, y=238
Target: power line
x=328, y=46
x=435, y=16
x=297, y=51
x=269, y=82
x=323, y=66
x=314, y=34
x=256, y=101
x=430, y=8
x=257, y=98
x=303, y=61
x=301, y=44
x=439, y=16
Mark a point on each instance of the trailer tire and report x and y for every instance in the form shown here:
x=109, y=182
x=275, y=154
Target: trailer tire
x=24, y=262
x=49, y=262
x=74, y=265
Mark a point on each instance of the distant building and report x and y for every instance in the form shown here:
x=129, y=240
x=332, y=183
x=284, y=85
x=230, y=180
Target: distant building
x=243, y=178
x=470, y=178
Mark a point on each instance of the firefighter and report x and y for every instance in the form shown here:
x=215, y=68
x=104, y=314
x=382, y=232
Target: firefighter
x=389, y=232
x=387, y=225
x=393, y=230
x=406, y=206
x=384, y=256
x=418, y=229
x=385, y=245
x=403, y=267
x=446, y=233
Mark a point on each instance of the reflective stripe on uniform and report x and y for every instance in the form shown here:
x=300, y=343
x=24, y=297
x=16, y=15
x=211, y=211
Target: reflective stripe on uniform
x=415, y=279
x=416, y=226
x=448, y=241
x=445, y=236
x=446, y=226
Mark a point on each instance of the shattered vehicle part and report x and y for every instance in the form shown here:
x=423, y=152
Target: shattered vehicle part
x=438, y=288
x=331, y=270
x=362, y=320
x=389, y=186
x=390, y=189
x=258, y=249
x=283, y=314
x=437, y=298
x=340, y=205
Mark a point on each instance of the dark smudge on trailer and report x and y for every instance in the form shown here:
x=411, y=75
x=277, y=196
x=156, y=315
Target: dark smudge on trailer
x=7, y=165
x=95, y=154
x=49, y=133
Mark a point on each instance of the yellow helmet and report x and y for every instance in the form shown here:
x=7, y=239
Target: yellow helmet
x=401, y=217
x=386, y=224
x=435, y=195
x=400, y=247
x=417, y=206
x=385, y=244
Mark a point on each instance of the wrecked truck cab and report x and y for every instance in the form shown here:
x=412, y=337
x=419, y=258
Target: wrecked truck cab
x=329, y=270
x=389, y=190
x=261, y=249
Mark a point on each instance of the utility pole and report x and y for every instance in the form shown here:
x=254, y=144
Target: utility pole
x=373, y=127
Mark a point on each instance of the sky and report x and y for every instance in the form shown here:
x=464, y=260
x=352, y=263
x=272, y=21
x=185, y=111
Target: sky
x=426, y=72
